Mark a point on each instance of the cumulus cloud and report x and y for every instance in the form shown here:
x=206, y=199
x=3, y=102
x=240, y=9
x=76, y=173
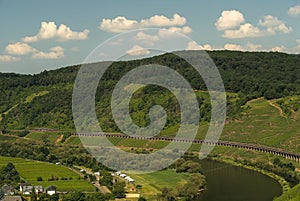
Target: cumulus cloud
x=183, y=30
x=294, y=11
x=172, y=31
x=279, y=49
x=245, y=30
x=138, y=51
x=231, y=22
x=50, y=30
x=8, y=58
x=146, y=39
x=247, y=47
x=229, y=19
x=195, y=46
x=19, y=48
x=54, y=53
x=121, y=23
x=273, y=25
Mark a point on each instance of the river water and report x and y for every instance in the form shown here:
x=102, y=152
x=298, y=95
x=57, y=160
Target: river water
x=230, y=183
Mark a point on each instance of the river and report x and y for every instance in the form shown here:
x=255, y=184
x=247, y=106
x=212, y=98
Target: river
x=230, y=183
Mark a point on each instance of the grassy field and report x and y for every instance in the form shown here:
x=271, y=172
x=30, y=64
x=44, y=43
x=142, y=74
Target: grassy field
x=51, y=136
x=29, y=170
x=262, y=124
x=152, y=183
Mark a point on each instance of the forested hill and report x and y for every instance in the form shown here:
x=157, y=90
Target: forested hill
x=44, y=99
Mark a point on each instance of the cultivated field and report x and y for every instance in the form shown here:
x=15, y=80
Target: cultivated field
x=29, y=171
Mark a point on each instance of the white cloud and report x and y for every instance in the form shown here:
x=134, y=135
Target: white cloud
x=279, y=49
x=194, y=46
x=229, y=19
x=49, y=30
x=137, y=51
x=54, y=53
x=232, y=23
x=8, y=58
x=273, y=25
x=183, y=30
x=162, y=21
x=173, y=31
x=19, y=48
x=234, y=47
x=146, y=39
x=247, y=47
x=294, y=11
x=245, y=30
x=121, y=23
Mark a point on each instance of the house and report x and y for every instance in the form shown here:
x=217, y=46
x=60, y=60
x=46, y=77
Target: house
x=129, y=179
x=8, y=190
x=97, y=173
x=25, y=188
x=51, y=190
x=118, y=173
x=38, y=189
x=12, y=198
x=123, y=175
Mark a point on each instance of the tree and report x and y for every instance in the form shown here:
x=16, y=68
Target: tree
x=54, y=197
x=1, y=194
x=106, y=179
x=33, y=196
x=119, y=191
x=142, y=199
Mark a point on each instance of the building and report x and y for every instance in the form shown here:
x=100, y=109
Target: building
x=26, y=188
x=38, y=189
x=129, y=179
x=51, y=190
x=8, y=189
x=12, y=198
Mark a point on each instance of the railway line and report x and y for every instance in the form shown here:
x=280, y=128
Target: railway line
x=247, y=146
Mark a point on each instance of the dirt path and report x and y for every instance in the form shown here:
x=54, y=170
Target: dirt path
x=59, y=139
x=256, y=99
x=281, y=113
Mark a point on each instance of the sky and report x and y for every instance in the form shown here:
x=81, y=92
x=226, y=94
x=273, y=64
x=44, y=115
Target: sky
x=42, y=35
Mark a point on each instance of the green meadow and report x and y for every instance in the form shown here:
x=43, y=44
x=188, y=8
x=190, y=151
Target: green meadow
x=29, y=171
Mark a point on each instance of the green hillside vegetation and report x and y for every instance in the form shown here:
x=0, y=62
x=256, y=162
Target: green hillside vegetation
x=262, y=108
x=29, y=171
x=44, y=100
x=291, y=195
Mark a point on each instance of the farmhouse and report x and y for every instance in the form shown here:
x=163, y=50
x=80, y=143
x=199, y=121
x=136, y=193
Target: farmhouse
x=12, y=198
x=51, y=190
x=39, y=189
x=8, y=190
x=25, y=188
x=129, y=179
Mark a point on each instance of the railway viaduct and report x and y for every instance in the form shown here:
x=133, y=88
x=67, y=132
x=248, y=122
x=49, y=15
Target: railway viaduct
x=255, y=147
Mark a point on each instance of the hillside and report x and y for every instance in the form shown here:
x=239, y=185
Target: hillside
x=44, y=100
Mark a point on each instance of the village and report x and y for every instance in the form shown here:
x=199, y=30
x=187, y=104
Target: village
x=11, y=194
x=27, y=189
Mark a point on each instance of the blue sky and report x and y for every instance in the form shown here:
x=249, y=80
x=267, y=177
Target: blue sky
x=72, y=28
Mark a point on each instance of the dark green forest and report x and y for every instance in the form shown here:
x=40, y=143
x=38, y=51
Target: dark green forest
x=44, y=99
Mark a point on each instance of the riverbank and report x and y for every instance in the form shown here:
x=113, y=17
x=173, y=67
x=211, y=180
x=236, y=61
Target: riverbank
x=284, y=184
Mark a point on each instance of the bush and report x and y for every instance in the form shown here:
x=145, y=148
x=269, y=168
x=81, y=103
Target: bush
x=39, y=179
